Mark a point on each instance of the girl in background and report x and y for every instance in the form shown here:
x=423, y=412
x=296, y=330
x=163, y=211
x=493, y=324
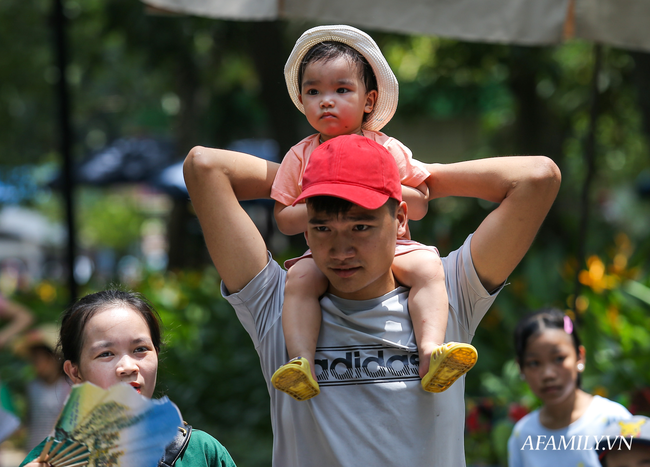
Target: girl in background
x=48, y=391
x=551, y=360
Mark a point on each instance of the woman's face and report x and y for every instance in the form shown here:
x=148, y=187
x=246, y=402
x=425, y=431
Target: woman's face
x=117, y=347
x=550, y=365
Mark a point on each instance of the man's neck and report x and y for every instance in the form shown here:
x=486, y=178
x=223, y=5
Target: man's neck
x=378, y=288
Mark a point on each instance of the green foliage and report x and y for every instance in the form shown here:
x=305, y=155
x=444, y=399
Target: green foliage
x=613, y=318
x=209, y=366
x=26, y=75
x=102, y=212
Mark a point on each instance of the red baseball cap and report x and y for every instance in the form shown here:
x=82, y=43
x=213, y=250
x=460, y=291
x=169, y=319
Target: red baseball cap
x=354, y=168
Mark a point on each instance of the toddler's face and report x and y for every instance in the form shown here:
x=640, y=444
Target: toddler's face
x=335, y=98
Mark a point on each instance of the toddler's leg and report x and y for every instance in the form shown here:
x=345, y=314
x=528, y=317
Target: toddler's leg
x=301, y=318
x=422, y=271
x=301, y=313
x=440, y=365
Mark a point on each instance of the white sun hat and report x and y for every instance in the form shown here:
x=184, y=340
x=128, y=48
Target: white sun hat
x=388, y=88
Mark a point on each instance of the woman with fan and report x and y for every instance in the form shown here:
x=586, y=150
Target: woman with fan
x=114, y=337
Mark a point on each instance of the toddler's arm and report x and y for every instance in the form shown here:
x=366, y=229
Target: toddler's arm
x=291, y=220
x=417, y=200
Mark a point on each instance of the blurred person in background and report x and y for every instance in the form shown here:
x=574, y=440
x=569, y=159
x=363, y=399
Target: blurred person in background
x=18, y=318
x=47, y=393
x=565, y=430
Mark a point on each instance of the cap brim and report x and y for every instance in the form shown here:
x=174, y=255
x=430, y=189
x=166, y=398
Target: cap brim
x=388, y=87
x=361, y=196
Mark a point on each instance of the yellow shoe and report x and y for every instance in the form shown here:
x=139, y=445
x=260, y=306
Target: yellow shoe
x=449, y=362
x=294, y=378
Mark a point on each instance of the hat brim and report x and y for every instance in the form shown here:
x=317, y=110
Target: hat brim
x=361, y=196
x=387, y=85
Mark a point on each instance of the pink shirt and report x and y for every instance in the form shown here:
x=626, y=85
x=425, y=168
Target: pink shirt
x=287, y=185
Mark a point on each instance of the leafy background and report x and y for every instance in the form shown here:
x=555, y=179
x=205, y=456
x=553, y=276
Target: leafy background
x=209, y=82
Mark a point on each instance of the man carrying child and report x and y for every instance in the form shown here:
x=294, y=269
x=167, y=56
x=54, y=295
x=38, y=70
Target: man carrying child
x=372, y=409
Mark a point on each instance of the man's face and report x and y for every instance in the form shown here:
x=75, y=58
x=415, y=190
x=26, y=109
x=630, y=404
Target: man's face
x=355, y=249
x=638, y=456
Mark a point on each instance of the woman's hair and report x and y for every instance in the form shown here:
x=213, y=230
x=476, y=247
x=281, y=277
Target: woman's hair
x=74, y=320
x=329, y=50
x=537, y=322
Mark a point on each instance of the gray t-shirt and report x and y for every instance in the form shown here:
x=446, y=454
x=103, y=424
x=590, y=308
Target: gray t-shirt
x=371, y=409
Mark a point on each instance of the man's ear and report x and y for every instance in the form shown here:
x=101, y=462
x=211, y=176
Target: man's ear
x=300, y=98
x=306, y=237
x=72, y=371
x=402, y=219
x=371, y=100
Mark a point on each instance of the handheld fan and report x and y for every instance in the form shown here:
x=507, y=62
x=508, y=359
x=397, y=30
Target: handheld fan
x=115, y=427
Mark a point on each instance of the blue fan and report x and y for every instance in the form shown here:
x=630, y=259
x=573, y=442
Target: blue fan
x=115, y=427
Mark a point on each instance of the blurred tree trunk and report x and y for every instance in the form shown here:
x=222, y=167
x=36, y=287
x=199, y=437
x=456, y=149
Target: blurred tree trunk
x=641, y=79
x=264, y=43
x=536, y=130
x=182, y=245
x=269, y=52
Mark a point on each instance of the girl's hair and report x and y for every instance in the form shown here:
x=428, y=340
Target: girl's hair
x=74, y=320
x=535, y=323
x=329, y=50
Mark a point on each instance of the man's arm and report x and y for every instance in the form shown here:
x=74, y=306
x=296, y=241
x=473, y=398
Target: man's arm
x=525, y=187
x=216, y=179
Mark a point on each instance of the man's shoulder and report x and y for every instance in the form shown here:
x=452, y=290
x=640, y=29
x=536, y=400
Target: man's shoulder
x=269, y=278
x=459, y=265
x=456, y=257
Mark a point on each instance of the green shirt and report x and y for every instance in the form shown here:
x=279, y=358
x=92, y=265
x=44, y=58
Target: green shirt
x=202, y=451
